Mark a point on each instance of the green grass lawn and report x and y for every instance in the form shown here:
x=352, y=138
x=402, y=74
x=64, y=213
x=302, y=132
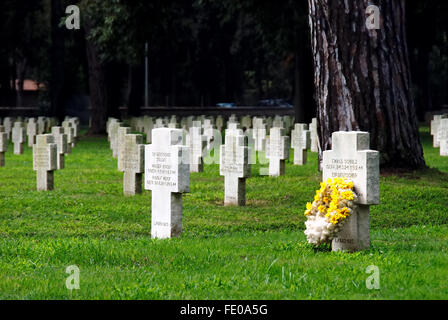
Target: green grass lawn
x=253, y=252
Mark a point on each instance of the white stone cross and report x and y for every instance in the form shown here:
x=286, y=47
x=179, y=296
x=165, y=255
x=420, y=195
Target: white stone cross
x=197, y=145
x=167, y=175
x=45, y=161
x=61, y=140
x=18, y=137
x=351, y=158
x=234, y=166
x=314, y=136
x=131, y=161
x=8, y=124
x=277, y=151
x=41, y=125
x=300, y=142
x=70, y=132
x=31, y=131
x=3, y=145
x=259, y=134
x=442, y=136
x=435, y=123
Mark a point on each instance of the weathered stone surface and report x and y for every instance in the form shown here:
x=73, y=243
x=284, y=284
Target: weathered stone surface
x=167, y=175
x=234, y=166
x=314, y=136
x=442, y=136
x=31, y=131
x=300, y=142
x=197, y=144
x=18, y=137
x=132, y=162
x=277, y=151
x=61, y=140
x=3, y=145
x=351, y=158
x=45, y=161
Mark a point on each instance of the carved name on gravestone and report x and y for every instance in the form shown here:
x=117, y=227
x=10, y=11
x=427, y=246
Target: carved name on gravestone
x=197, y=145
x=314, y=136
x=300, y=142
x=442, y=136
x=351, y=158
x=278, y=151
x=31, y=131
x=45, y=161
x=60, y=138
x=3, y=145
x=234, y=166
x=167, y=175
x=18, y=137
x=131, y=161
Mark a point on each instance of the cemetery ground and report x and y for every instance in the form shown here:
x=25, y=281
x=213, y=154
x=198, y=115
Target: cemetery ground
x=254, y=252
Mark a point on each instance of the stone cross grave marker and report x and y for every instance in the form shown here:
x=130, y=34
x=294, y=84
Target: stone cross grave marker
x=259, y=134
x=442, y=136
x=70, y=132
x=300, y=142
x=41, y=125
x=60, y=138
x=131, y=161
x=8, y=123
x=435, y=129
x=114, y=137
x=45, y=161
x=120, y=144
x=18, y=137
x=197, y=145
x=167, y=175
x=314, y=136
x=3, y=145
x=277, y=151
x=234, y=166
x=208, y=133
x=148, y=125
x=31, y=131
x=351, y=158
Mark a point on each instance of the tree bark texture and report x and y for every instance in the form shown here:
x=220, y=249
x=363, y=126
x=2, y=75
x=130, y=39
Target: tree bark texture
x=362, y=78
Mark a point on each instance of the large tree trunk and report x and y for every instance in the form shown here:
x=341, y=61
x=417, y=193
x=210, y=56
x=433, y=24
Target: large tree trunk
x=97, y=85
x=362, y=78
x=57, y=61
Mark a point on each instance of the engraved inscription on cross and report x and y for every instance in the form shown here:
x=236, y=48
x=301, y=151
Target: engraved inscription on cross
x=167, y=175
x=351, y=158
x=234, y=165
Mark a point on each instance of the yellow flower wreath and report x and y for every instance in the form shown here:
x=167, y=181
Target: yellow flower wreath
x=334, y=200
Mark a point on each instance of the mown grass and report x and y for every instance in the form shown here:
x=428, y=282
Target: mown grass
x=253, y=252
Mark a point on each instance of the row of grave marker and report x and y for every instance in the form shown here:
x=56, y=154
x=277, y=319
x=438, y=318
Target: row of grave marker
x=169, y=159
x=49, y=149
x=439, y=131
